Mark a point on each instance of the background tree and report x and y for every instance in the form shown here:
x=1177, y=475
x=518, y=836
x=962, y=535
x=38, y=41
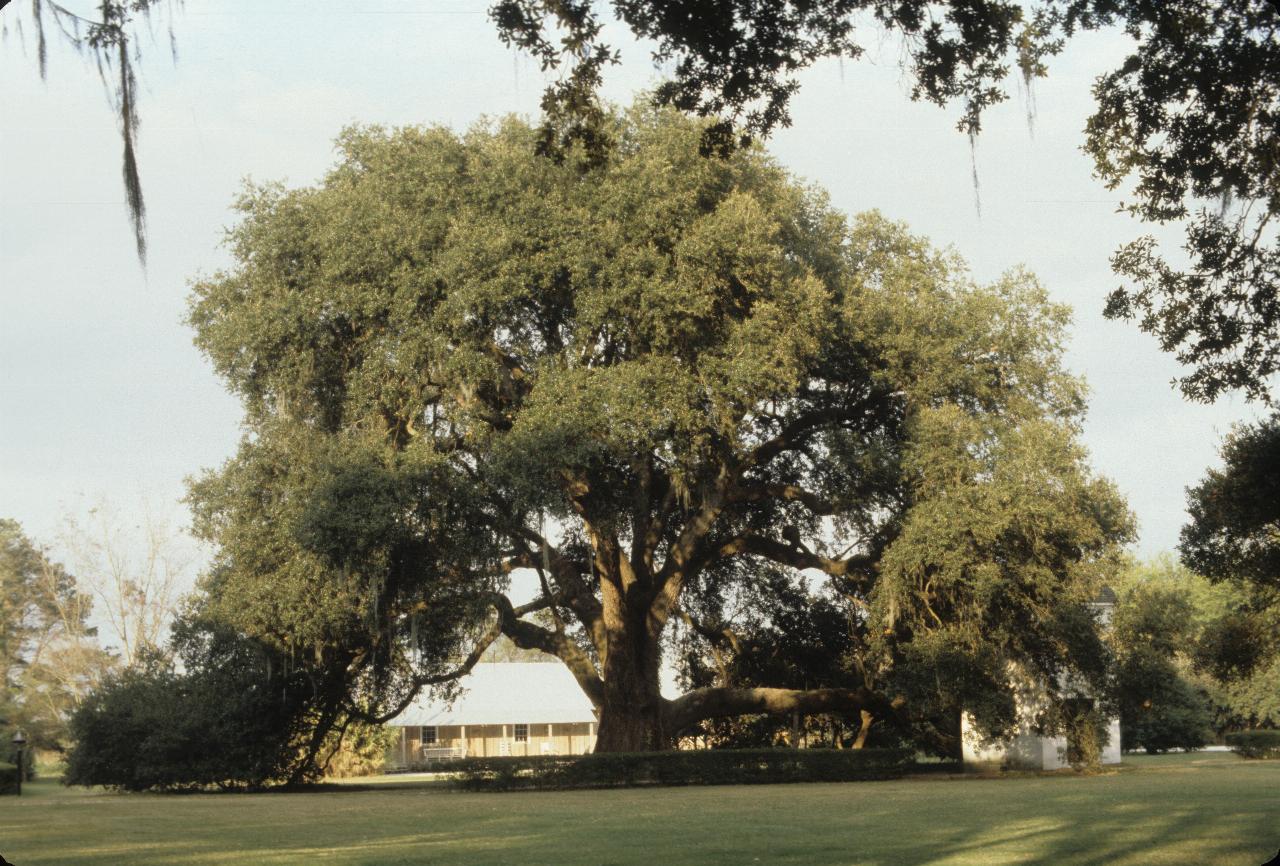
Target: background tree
x=1160, y=707
x=693, y=369
x=1234, y=539
x=49, y=658
x=1234, y=531
x=136, y=573
x=1188, y=645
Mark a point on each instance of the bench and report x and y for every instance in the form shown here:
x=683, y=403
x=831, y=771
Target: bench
x=441, y=754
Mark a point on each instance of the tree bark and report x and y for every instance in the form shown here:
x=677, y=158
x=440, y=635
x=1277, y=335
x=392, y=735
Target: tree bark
x=633, y=712
x=864, y=730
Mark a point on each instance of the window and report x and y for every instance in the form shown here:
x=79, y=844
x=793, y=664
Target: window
x=429, y=737
x=522, y=733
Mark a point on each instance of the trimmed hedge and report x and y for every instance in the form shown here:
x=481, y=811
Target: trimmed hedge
x=693, y=767
x=1255, y=744
x=8, y=778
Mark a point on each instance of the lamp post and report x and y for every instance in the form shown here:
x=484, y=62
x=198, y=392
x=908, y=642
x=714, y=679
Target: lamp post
x=18, y=742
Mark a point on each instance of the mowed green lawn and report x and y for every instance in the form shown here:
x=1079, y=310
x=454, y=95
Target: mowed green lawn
x=1178, y=809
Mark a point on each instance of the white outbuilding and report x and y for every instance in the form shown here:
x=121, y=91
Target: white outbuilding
x=1026, y=749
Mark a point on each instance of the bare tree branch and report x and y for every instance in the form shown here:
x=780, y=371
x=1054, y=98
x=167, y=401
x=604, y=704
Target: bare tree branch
x=527, y=635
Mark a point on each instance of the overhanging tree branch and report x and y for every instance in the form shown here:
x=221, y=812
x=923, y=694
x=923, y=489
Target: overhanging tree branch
x=526, y=635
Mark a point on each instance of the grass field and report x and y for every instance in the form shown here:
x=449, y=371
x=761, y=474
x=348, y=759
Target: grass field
x=1177, y=809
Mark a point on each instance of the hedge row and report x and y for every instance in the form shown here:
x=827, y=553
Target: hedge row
x=8, y=778
x=1255, y=744
x=694, y=767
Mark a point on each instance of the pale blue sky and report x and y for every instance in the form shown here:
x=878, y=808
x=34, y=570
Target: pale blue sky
x=101, y=392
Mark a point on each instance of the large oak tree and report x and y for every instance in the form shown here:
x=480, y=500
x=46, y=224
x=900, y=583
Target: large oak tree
x=658, y=381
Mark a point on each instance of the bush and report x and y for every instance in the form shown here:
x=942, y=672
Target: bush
x=692, y=767
x=8, y=779
x=231, y=719
x=1255, y=744
x=359, y=750
x=1160, y=709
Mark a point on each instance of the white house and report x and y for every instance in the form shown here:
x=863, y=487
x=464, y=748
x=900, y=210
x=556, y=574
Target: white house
x=507, y=708
x=1027, y=750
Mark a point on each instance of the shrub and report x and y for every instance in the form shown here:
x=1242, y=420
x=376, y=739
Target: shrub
x=692, y=767
x=8, y=779
x=1255, y=744
x=1160, y=709
x=231, y=719
x=362, y=750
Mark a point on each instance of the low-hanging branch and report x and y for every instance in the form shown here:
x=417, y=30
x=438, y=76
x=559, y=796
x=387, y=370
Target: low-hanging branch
x=719, y=702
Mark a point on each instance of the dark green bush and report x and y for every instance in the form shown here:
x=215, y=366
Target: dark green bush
x=231, y=719
x=8, y=779
x=1255, y=744
x=691, y=767
x=1160, y=710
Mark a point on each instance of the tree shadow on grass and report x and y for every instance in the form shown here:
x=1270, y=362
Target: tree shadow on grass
x=1174, y=813
x=1188, y=818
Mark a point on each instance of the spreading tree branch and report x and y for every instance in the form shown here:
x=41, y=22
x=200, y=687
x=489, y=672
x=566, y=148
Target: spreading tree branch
x=527, y=635
x=857, y=570
x=717, y=702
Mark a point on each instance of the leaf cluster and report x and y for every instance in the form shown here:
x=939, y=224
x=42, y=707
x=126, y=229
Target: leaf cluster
x=1234, y=532
x=1189, y=119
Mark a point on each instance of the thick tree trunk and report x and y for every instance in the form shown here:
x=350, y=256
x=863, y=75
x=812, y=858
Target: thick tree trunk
x=633, y=712
x=632, y=725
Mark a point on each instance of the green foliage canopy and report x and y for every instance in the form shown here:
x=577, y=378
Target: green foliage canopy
x=1161, y=708
x=1188, y=646
x=1234, y=531
x=652, y=378
x=1189, y=118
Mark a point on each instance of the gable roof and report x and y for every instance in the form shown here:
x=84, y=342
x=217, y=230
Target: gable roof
x=506, y=693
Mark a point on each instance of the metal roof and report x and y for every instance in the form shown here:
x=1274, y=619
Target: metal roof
x=506, y=693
